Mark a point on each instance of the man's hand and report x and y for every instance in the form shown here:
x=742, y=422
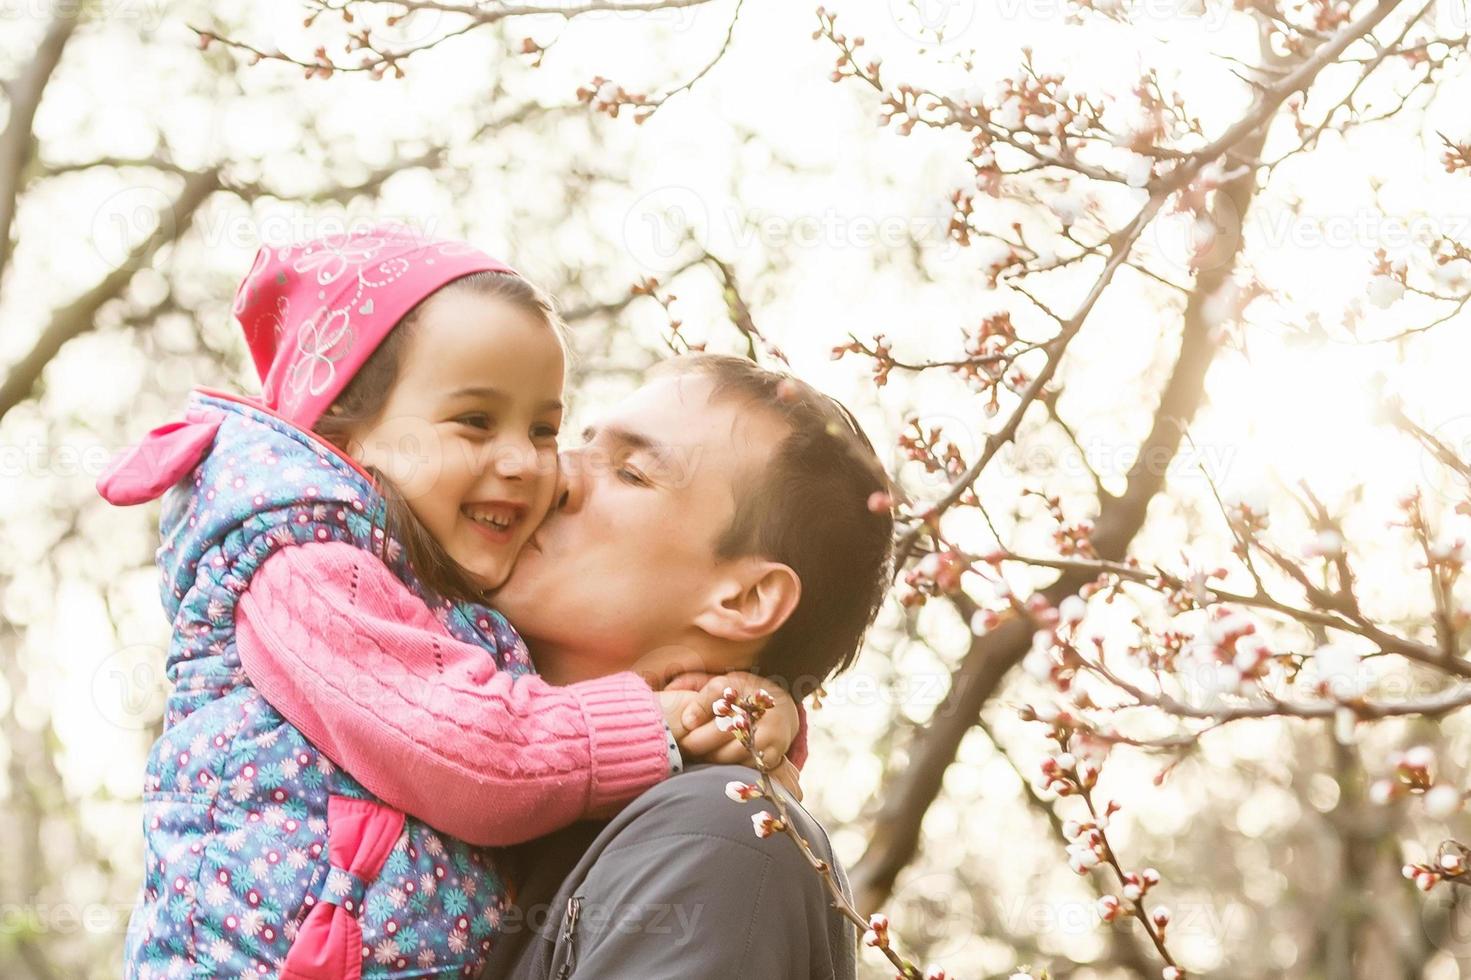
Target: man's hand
x=700, y=740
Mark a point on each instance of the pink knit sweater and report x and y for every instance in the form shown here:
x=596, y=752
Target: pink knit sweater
x=426, y=722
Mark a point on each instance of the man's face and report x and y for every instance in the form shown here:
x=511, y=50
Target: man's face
x=624, y=566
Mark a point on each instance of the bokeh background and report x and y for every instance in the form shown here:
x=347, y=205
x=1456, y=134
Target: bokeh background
x=1293, y=315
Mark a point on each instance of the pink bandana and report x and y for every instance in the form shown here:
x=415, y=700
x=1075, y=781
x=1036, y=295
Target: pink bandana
x=312, y=314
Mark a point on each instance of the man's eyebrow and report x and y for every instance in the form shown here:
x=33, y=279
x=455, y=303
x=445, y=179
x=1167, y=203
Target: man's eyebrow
x=495, y=394
x=622, y=436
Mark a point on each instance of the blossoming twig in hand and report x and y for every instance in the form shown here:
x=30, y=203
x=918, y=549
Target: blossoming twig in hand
x=738, y=716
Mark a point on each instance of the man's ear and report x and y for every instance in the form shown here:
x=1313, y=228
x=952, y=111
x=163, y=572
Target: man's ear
x=752, y=601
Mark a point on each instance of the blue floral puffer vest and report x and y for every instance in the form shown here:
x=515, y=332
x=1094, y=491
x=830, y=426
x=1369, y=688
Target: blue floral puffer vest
x=235, y=800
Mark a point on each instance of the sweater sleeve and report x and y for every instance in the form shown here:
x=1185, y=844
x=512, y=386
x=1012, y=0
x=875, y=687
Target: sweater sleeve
x=345, y=652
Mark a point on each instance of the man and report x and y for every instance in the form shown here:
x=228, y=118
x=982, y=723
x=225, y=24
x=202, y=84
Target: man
x=722, y=518
x=677, y=508
x=676, y=886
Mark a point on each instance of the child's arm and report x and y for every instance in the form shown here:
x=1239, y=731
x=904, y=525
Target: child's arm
x=341, y=647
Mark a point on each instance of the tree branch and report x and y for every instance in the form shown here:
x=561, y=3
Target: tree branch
x=80, y=316
x=16, y=142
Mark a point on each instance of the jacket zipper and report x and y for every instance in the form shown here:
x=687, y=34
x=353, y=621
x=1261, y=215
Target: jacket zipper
x=569, y=927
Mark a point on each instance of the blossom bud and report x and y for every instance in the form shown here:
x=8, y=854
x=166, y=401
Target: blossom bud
x=1442, y=801
x=741, y=792
x=878, y=931
x=1419, y=757
x=733, y=723
x=1072, y=610
x=1088, y=774
x=1381, y=792
x=765, y=824
x=984, y=621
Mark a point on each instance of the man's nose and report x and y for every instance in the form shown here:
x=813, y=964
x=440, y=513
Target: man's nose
x=571, y=481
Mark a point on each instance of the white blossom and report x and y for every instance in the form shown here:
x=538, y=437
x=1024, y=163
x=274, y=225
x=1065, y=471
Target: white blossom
x=1385, y=291
x=1326, y=544
x=1008, y=115
x=1137, y=169
x=1419, y=757
x=1340, y=670
x=1454, y=274
x=1068, y=207
x=1442, y=800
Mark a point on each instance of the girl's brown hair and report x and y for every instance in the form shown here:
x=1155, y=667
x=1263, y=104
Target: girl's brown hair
x=362, y=401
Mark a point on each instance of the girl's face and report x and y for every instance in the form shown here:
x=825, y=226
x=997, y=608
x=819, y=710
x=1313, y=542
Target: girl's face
x=469, y=432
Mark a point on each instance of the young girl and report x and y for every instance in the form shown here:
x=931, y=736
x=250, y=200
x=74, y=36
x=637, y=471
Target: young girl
x=410, y=406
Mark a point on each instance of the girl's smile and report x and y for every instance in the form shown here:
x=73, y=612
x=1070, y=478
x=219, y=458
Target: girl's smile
x=496, y=519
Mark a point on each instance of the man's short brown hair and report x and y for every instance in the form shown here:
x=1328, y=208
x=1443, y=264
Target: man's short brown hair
x=810, y=509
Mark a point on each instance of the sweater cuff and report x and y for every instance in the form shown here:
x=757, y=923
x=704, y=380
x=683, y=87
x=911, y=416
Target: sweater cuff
x=629, y=740
x=676, y=760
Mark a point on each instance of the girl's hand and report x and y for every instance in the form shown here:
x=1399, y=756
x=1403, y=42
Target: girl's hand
x=704, y=742
x=673, y=704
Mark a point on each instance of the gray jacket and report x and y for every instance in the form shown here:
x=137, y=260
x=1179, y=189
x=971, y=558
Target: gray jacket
x=676, y=887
